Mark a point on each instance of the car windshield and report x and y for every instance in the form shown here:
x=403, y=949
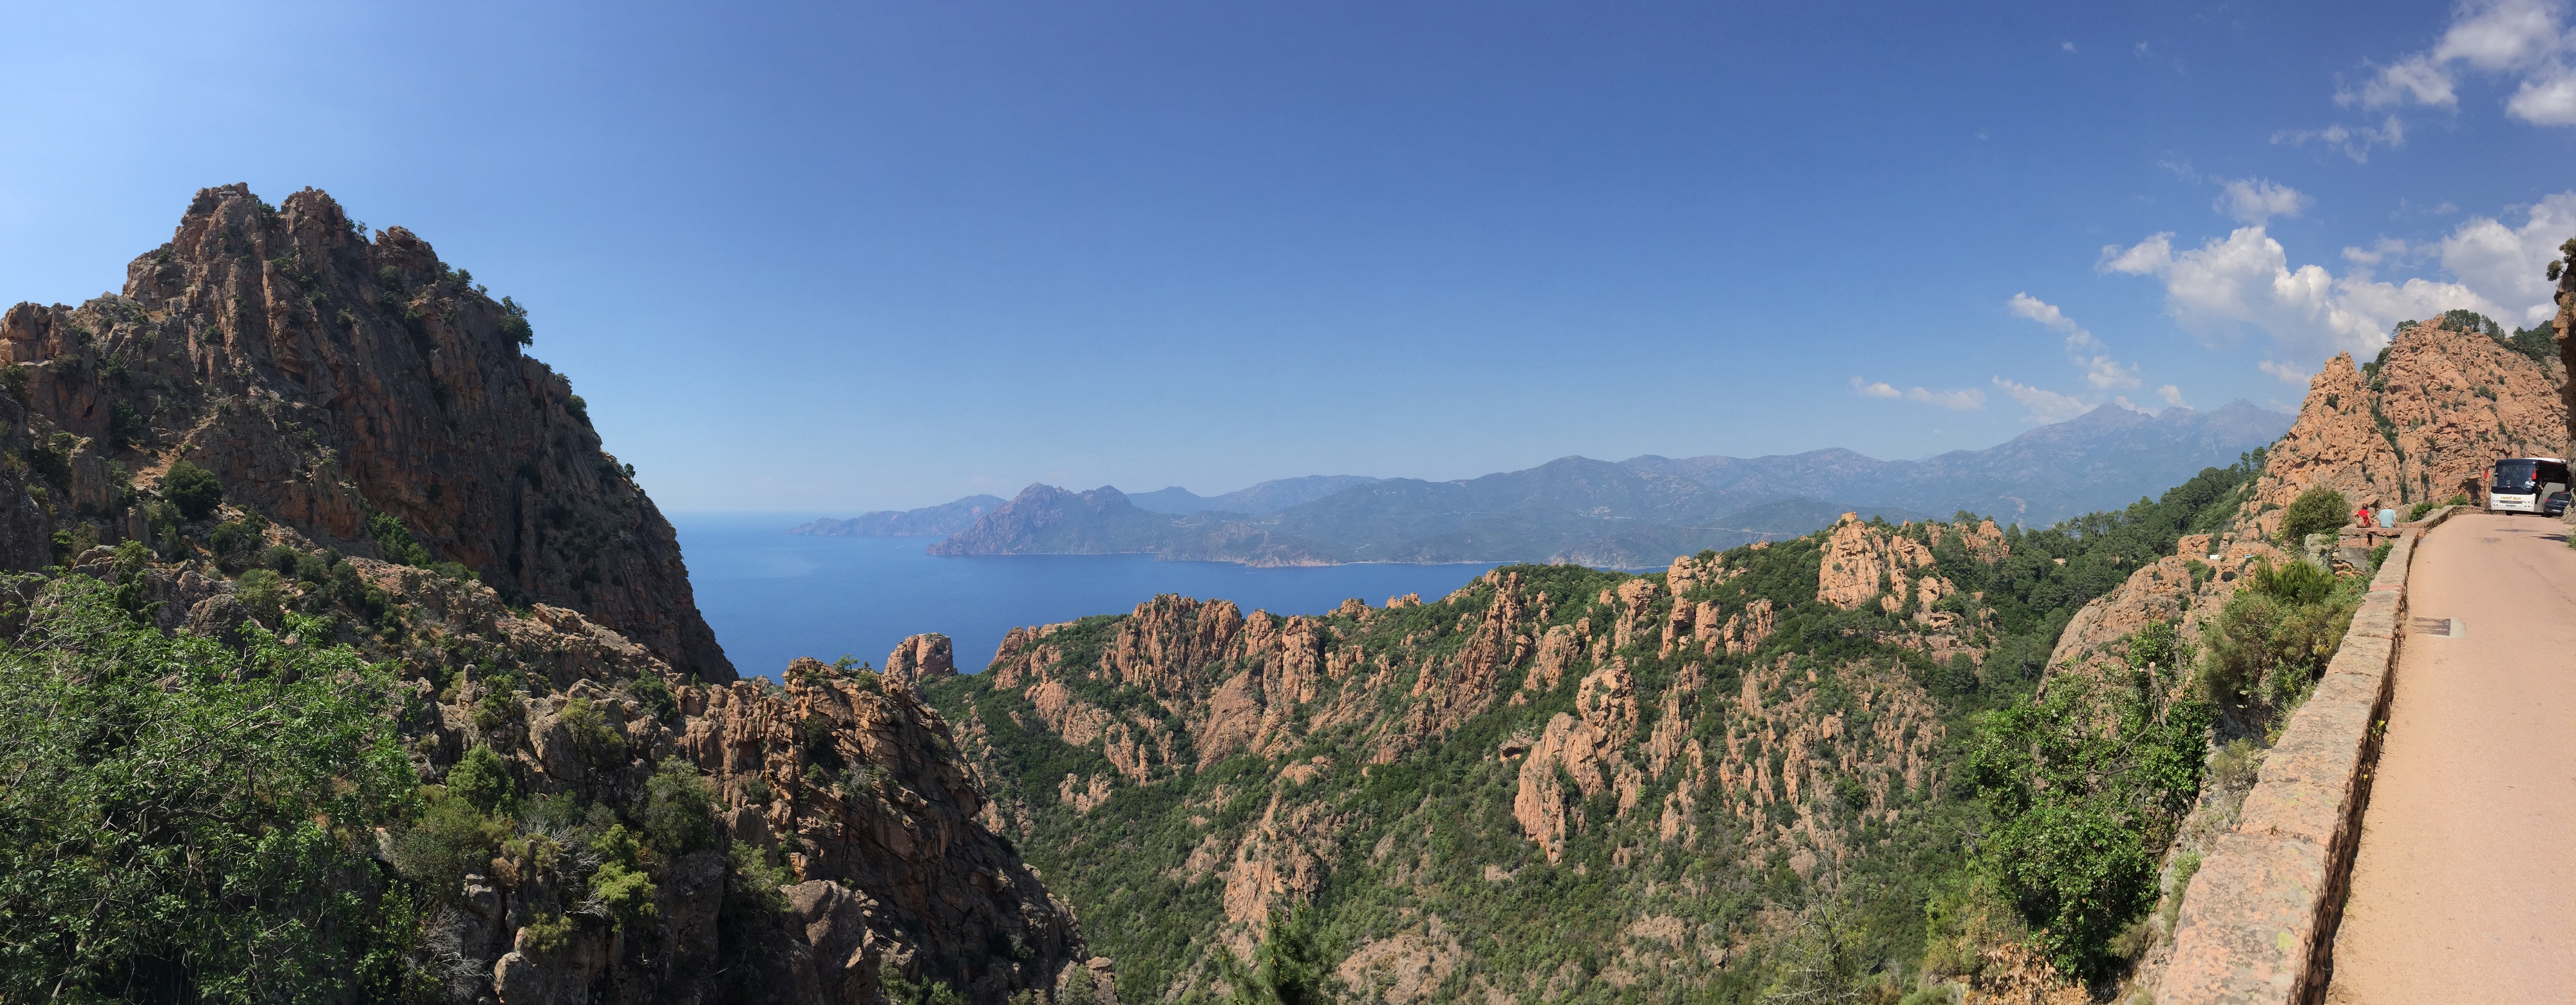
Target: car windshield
x=2513, y=476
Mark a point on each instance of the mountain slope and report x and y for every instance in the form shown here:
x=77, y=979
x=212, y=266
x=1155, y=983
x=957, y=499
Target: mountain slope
x=942, y=520
x=2104, y=458
x=1267, y=497
x=332, y=379
x=274, y=466
x=1554, y=782
x=1640, y=512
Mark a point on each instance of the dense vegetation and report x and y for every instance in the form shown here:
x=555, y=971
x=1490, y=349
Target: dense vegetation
x=1432, y=834
x=181, y=820
x=188, y=818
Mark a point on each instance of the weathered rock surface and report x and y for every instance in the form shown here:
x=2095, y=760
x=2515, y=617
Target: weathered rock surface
x=1618, y=722
x=327, y=378
x=380, y=440
x=2438, y=409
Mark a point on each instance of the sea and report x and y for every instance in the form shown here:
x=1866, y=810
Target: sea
x=773, y=596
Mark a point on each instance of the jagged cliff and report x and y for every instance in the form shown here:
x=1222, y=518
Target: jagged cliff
x=2423, y=421
x=328, y=378
x=284, y=427
x=1555, y=782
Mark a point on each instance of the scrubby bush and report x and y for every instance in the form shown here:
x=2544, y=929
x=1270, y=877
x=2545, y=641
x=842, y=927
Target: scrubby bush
x=194, y=490
x=2277, y=633
x=678, y=815
x=183, y=821
x=2316, y=510
x=2087, y=786
x=396, y=542
x=592, y=734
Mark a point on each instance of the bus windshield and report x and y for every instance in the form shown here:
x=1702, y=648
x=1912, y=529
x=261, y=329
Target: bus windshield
x=2514, y=477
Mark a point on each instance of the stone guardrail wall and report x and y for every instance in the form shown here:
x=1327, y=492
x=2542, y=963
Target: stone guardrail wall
x=2258, y=922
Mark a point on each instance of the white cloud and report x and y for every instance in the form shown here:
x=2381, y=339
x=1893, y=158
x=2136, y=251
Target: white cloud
x=1966, y=399
x=2284, y=372
x=2245, y=280
x=2356, y=142
x=2379, y=251
x=2045, y=405
x=2258, y=200
x=2026, y=306
x=2505, y=265
x=2546, y=100
x=2503, y=34
x=2082, y=348
x=2068, y=46
x=2414, y=79
x=2172, y=395
x=2524, y=39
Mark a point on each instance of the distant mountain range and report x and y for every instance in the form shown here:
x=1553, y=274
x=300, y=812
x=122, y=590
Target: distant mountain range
x=1267, y=497
x=1634, y=513
x=929, y=521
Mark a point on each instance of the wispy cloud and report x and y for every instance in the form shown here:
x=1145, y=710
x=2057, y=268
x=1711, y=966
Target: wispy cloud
x=1962, y=400
x=2258, y=200
x=2526, y=41
x=2084, y=350
x=2044, y=405
x=2355, y=142
x=2284, y=372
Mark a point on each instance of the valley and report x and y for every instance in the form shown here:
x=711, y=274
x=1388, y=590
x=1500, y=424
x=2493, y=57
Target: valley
x=341, y=658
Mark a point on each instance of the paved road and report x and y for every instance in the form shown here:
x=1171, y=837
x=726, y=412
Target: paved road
x=2465, y=885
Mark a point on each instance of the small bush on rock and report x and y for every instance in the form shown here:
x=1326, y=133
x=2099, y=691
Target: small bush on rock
x=193, y=489
x=2317, y=510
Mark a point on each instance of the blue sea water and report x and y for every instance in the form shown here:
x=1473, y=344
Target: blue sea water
x=773, y=596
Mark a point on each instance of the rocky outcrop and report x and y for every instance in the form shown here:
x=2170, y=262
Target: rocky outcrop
x=393, y=465
x=2433, y=413
x=919, y=658
x=331, y=380
x=1619, y=722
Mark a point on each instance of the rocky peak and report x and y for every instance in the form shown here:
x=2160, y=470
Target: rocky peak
x=919, y=658
x=361, y=391
x=2423, y=423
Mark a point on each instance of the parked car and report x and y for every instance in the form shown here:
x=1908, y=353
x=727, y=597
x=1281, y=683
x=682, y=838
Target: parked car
x=2555, y=505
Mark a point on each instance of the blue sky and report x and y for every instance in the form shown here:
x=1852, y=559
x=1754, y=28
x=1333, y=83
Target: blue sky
x=860, y=255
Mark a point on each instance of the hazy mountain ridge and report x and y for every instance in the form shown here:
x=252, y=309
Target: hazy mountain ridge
x=1268, y=497
x=942, y=520
x=1635, y=513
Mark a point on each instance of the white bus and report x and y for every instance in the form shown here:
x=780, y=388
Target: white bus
x=2522, y=484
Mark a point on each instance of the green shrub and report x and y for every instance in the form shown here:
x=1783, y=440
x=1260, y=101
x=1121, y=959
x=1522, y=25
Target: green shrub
x=2086, y=787
x=2275, y=635
x=2417, y=511
x=679, y=815
x=619, y=889
x=196, y=816
x=514, y=322
x=53, y=457
x=2316, y=510
x=396, y=542
x=195, y=490
x=262, y=593
x=482, y=779
x=593, y=735
x=450, y=839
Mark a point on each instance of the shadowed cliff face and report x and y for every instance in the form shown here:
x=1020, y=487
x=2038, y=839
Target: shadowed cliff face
x=327, y=379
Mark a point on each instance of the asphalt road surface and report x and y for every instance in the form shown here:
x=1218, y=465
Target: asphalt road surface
x=2464, y=889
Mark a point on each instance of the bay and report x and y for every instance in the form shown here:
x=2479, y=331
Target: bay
x=773, y=596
